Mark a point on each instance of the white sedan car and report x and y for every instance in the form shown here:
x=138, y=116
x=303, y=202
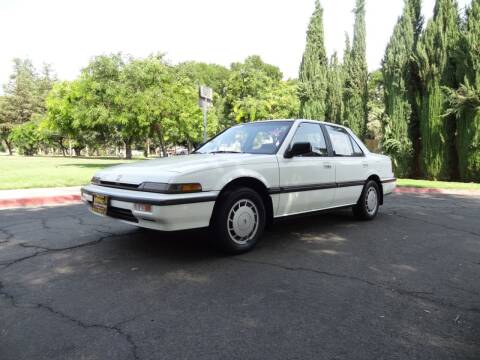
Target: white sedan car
x=245, y=177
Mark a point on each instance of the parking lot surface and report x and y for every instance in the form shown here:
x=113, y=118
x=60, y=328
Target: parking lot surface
x=404, y=286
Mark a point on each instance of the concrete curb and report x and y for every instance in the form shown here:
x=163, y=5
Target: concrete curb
x=414, y=190
x=39, y=201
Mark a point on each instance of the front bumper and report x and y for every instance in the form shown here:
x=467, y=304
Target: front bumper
x=169, y=212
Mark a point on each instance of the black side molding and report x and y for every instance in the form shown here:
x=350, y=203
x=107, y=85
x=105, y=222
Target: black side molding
x=310, y=187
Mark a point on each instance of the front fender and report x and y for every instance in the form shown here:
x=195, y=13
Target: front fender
x=217, y=178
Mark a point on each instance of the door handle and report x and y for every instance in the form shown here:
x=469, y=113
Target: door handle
x=365, y=164
x=327, y=166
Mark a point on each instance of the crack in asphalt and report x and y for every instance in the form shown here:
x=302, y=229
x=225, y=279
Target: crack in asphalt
x=116, y=328
x=7, y=237
x=421, y=295
x=45, y=250
x=436, y=224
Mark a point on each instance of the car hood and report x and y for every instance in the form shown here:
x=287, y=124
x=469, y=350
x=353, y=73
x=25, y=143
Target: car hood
x=165, y=169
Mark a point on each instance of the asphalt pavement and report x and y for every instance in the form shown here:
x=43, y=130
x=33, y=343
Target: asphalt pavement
x=404, y=286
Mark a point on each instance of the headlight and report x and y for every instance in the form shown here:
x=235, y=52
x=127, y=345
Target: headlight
x=170, y=188
x=95, y=180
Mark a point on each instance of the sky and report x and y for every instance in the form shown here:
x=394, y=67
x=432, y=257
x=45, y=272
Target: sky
x=68, y=33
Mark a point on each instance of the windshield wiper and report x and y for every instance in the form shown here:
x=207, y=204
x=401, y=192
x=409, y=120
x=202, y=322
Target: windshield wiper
x=225, y=152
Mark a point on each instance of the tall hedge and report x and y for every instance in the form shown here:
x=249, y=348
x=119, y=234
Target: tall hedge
x=334, y=101
x=312, y=86
x=398, y=74
x=465, y=101
x=435, y=56
x=355, y=96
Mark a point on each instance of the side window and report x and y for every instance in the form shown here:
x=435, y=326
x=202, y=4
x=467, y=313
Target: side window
x=311, y=133
x=357, y=151
x=341, y=143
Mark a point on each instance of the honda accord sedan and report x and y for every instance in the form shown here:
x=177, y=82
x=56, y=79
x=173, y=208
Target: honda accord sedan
x=241, y=180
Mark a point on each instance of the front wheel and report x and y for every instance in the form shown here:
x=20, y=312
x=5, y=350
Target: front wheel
x=367, y=206
x=239, y=220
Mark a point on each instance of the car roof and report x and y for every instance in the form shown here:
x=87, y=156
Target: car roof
x=299, y=120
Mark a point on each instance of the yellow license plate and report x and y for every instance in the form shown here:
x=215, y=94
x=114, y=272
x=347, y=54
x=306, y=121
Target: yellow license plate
x=100, y=204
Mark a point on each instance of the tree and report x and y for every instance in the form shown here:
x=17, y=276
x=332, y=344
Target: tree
x=464, y=102
x=279, y=102
x=61, y=121
x=5, y=127
x=24, y=97
x=216, y=77
x=20, y=101
x=334, y=101
x=355, y=97
x=26, y=137
x=255, y=90
x=312, y=87
x=106, y=95
x=399, y=88
x=435, y=57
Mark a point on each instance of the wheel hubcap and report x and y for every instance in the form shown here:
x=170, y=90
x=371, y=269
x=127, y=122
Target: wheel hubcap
x=242, y=221
x=371, y=200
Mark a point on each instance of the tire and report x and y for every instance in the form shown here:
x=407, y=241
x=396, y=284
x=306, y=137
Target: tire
x=239, y=220
x=369, y=202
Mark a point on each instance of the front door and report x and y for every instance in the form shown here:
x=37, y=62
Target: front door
x=307, y=182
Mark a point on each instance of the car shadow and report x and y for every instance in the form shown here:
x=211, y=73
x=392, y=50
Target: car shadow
x=198, y=245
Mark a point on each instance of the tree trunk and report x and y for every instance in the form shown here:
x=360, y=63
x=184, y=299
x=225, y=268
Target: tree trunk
x=9, y=147
x=78, y=151
x=158, y=130
x=146, y=152
x=128, y=149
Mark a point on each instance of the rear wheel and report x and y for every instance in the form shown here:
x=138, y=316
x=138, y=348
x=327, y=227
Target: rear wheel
x=367, y=206
x=239, y=220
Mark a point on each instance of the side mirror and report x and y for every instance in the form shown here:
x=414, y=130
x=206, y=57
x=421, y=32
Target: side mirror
x=298, y=149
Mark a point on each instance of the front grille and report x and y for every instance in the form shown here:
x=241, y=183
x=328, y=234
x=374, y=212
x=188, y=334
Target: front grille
x=117, y=185
x=123, y=214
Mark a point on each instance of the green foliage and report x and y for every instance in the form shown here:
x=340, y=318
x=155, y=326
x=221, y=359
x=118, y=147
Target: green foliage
x=437, y=67
x=464, y=103
x=255, y=90
x=312, y=87
x=399, y=91
x=334, y=100
x=24, y=98
x=355, y=95
x=376, y=106
x=26, y=137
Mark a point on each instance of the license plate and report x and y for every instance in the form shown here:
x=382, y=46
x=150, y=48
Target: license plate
x=100, y=204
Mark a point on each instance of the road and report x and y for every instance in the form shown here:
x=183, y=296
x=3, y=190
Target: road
x=405, y=286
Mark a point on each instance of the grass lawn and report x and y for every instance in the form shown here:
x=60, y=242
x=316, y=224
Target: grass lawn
x=438, y=184
x=19, y=172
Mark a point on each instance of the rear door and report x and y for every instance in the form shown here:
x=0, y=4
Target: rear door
x=350, y=164
x=307, y=182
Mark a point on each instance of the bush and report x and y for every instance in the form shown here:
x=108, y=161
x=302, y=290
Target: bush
x=26, y=138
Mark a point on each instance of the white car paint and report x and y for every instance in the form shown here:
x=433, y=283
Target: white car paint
x=295, y=185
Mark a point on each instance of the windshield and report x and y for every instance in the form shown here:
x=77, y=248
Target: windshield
x=251, y=138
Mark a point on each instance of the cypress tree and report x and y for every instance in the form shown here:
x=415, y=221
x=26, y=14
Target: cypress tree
x=312, y=86
x=465, y=101
x=435, y=55
x=356, y=78
x=399, y=89
x=334, y=101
